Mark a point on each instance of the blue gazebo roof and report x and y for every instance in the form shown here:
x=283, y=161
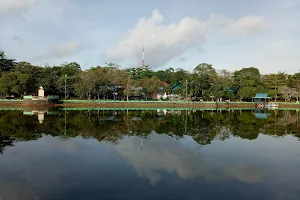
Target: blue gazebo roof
x=176, y=86
x=261, y=96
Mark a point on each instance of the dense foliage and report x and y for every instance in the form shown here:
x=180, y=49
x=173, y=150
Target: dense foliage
x=112, y=82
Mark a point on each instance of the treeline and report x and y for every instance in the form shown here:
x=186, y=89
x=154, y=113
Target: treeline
x=112, y=82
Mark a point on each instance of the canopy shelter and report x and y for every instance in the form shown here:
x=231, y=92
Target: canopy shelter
x=260, y=99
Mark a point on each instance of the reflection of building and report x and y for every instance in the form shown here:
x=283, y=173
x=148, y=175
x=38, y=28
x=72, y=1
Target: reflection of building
x=165, y=112
x=100, y=138
x=261, y=114
x=40, y=112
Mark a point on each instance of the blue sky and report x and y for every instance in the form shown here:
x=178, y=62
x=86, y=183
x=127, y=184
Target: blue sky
x=230, y=34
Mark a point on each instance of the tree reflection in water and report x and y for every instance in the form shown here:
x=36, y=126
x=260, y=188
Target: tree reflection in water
x=112, y=126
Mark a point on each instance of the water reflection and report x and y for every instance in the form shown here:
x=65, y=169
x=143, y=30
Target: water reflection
x=96, y=154
x=40, y=112
x=188, y=163
x=112, y=126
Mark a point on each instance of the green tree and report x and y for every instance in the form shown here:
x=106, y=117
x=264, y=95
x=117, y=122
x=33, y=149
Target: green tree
x=101, y=83
x=164, y=76
x=135, y=73
x=202, y=78
x=147, y=72
x=273, y=82
x=70, y=69
x=117, y=79
x=27, y=68
x=86, y=84
x=247, y=82
x=14, y=83
x=178, y=75
x=48, y=78
x=6, y=64
x=128, y=89
x=222, y=84
x=150, y=86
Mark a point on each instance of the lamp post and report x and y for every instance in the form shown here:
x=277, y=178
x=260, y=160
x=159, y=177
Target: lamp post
x=186, y=90
x=65, y=86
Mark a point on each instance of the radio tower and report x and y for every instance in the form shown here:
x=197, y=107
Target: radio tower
x=143, y=59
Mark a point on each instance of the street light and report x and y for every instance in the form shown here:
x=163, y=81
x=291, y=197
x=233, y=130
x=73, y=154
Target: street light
x=66, y=86
x=185, y=89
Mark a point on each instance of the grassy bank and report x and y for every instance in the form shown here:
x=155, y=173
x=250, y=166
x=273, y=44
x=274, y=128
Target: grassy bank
x=154, y=104
x=145, y=104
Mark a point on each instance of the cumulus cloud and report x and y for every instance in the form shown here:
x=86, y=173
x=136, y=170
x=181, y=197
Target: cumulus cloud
x=164, y=42
x=62, y=50
x=9, y=6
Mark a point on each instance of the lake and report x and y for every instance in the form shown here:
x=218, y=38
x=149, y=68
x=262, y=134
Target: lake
x=149, y=154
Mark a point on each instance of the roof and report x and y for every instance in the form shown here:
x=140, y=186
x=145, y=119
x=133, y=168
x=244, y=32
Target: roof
x=176, y=86
x=261, y=96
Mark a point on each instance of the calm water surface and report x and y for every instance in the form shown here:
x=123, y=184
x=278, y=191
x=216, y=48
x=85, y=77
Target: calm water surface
x=150, y=155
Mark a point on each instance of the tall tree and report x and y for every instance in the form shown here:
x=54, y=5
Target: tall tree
x=86, y=84
x=117, y=79
x=164, y=75
x=288, y=93
x=178, y=75
x=48, y=78
x=202, y=78
x=273, y=82
x=247, y=83
x=32, y=71
x=101, y=83
x=6, y=64
x=14, y=83
x=150, y=86
x=70, y=69
x=222, y=84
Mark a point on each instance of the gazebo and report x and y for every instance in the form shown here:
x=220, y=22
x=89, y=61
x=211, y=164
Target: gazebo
x=260, y=100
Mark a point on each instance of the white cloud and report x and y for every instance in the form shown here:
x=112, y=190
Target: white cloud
x=164, y=42
x=246, y=25
x=9, y=6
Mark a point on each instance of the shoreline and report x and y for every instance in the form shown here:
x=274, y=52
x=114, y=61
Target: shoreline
x=143, y=104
